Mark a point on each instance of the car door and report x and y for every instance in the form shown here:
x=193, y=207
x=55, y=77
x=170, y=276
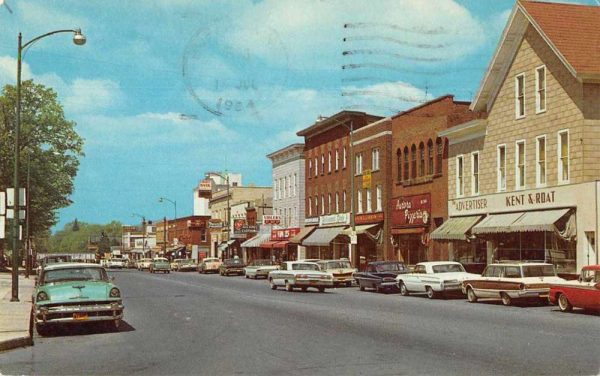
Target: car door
x=486, y=285
x=277, y=275
x=412, y=281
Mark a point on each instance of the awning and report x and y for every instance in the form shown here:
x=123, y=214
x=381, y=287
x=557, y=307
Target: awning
x=224, y=245
x=322, y=236
x=256, y=241
x=360, y=229
x=455, y=228
x=297, y=239
x=280, y=245
x=408, y=231
x=268, y=244
x=542, y=220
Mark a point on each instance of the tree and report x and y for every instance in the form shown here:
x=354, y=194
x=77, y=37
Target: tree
x=49, y=141
x=75, y=226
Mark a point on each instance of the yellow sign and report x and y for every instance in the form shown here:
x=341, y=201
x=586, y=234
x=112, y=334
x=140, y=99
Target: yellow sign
x=366, y=179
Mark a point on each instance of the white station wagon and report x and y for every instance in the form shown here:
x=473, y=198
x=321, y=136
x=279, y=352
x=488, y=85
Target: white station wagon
x=299, y=274
x=434, y=278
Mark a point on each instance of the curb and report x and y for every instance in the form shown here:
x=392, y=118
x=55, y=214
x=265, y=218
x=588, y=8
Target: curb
x=16, y=343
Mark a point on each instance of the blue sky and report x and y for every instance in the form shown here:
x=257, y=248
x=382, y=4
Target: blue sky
x=165, y=90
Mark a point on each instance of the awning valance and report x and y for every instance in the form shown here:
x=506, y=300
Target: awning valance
x=532, y=221
x=297, y=239
x=408, y=231
x=322, y=236
x=256, y=241
x=455, y=228
x=360, y=229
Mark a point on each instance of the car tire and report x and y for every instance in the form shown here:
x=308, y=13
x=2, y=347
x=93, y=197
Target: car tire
x=304, y=289
x=289, y=287
x=361, y=287
x=42, y=330
x=563, y=303
x=348, y=284
x=506, y=299
x=321, y=289
x=403, y=290
x=430, y=293
x=272, y=284
x=471, y=297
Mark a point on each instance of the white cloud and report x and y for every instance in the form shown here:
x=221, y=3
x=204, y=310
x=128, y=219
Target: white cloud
x=89, y=96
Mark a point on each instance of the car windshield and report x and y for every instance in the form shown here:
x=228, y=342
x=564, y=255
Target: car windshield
x=338, y=265
x=161, y=260
x=538, y=271
x=391, y=267
x=74, y=274
x=211, y=260
x=314, y=267
x=448, y=268
x=262, y=263
x=234, y=261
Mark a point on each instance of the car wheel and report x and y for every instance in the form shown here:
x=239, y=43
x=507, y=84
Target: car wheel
x=288, y=287
x=403, y=289
x=361, y=287
x=42, y=330
x=304, y=289
x=321, y=289
x=564, y=304
x=430, y=293
x=471, y=297
x=247, y=276
x=348, y=284
x=273, y=285
x=506, y=299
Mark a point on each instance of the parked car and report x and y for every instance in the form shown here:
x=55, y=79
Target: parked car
x=341, y=270
x=115, y=263
x=67, y=293
x=131, y=264
x=232, y=266
x=182, y=265
x=143, y=264
x=300, y=274
x=209, y=265
x=260, y=268
x=434, y=278
x=582, y=293
x=160, y=264
x=48, y=260
x=512, y=280
x=380, y=275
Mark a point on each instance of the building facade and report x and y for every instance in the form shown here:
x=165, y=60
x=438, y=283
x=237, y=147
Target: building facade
x=523, y=181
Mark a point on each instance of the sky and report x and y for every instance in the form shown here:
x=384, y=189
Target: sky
x=166, y=90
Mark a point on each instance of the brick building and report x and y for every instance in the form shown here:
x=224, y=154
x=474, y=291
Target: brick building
x=523, y=182
x=186, y=237
x=328, y=183
x=420, y=187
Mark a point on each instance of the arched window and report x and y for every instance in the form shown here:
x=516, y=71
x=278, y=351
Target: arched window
x=399, y=162
x=421, y=159
x=439, y=155
x=309, y=204
x=430, y=157
x=406, y=163
x=413, y=161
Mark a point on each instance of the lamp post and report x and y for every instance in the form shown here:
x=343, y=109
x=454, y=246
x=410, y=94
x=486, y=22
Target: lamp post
x=226, y=177
x=174, y=202
x=143, y=233
x=78, y=39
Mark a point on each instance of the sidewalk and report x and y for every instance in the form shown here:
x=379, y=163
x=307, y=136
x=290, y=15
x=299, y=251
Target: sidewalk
x=14, y=316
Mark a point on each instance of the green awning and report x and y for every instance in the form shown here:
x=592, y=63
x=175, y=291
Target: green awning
x=531, y=221
x=455, y=228
x=322, y=236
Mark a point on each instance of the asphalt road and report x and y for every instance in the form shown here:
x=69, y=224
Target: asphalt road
x=186, y=323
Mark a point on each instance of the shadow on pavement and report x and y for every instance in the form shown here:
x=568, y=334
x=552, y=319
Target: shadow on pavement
x=68, y=330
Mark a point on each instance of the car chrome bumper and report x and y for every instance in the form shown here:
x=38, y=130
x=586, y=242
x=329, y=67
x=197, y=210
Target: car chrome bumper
x=537, y=293
x=314, y=282
x=68, y=313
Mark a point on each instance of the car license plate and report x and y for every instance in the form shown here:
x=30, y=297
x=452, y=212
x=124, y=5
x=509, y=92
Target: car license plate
x=313, y=282
x=80, y=316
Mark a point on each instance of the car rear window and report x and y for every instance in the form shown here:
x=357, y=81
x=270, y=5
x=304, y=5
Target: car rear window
x=538, y=271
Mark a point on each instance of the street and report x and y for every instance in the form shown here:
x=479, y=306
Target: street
x=186, y=323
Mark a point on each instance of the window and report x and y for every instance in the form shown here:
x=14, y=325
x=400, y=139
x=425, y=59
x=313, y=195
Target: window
x=309, y=204
x=316, y=205
x=501, y=163
x=439, y=149
x=460, y=180
x=475, y=173
x=375, y=159
x=358, y=166
x=329, y=162
x=378, y=198
x=520, y=165
x=421, y=159
x=322, y=204
x=369, y=207
x=358, y=201
x=322, y=164
x=429, y=157
x=563, y=156
x=399, y=163
x=344, y=201
x=540, y=161
x=406, y=163
x=286, y=183
x=310, y=168
x=337, y=159
x=520, y=96
x=344, y=158
x=294, y=184
x=316, y=167
x=329, y=207
x=337, y=202
x=275, y=189
x=540, y=89
x=413, y=165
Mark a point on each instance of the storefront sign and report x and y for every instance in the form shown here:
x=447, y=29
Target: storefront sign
x=366, y=179
x=240, y=227
x=312, y=221
x=284, y=233
x=360, y=219
x=271, y=219
x=334, y=219
x=215, y=224
x=411, y=211
x=524, y=200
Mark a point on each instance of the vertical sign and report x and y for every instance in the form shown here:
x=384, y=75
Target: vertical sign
x=2, y=227
x=10, y=197
x=2, y=203
x=366, y=179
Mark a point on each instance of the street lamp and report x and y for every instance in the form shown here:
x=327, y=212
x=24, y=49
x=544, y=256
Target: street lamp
x=226, y=177
x=163, y=199
x=78, y=39
x=143, y=233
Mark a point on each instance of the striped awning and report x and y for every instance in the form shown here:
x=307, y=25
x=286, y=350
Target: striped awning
x=455, y=228
x=256, y=241
x=297, y=239
x=531, y=221
x=322, y=236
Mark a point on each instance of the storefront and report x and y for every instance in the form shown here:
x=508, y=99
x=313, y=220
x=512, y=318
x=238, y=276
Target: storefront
x=369, y=237
x=556, y=225
x=296, y=241
x=252, y=247
x=328, y=241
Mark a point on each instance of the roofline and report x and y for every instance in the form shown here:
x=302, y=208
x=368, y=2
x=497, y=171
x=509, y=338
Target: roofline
x=380, y=121
x=331, y=121
x=422, y=105
x=285, y=149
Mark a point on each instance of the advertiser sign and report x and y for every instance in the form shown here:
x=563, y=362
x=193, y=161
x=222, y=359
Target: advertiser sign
x=205, y=185
x=411, y=211
x=241, y=227
x=284, y=233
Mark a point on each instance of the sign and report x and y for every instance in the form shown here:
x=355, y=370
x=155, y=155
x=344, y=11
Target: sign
x=353, y=238
x=10, y=197
x=284, y=234
x=215, y=224
x=411, y=211
x=205, y=185
x=312, y=221
x=2, y=203
x=241, y=227
x=271, y=219
x=10, y=214
x=334, y=219
x=2, y=227
x=360, y=219
x=366, y=179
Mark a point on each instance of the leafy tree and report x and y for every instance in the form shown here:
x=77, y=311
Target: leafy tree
x=49, y=147
x=69, y=241
x=75, y=225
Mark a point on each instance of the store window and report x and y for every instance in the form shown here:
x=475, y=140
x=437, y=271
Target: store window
x=540, y=161
x=520, y=164
x=540, y=89
x=501, y=166
x=520, y=96
x=563, y=156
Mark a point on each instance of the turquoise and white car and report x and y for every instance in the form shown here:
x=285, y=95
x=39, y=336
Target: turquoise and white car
x=68, y=293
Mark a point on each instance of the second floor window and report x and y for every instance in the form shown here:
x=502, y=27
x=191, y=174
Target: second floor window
x=358, y=201
x=520, y=165
x=501, y=164
x=379, y=199
x=344, y=157
x=475, y=173
x=322, y=164
x=520, y=96
x=563, y=156
x=421, y=159
x=375, y=159
x=337, y=159
x=337, y=202
x=316, y=167
x=329, y=207
x=540, y=89
x=399, y=163
x=358, y=167
x=460, y=178
x=413, y=159
x=439, y=155
x=329, y=162
x=540, y=161
x=368, y=198
x=344, y=201
x=322, y=204
x=406, y=164
x=430, y=158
